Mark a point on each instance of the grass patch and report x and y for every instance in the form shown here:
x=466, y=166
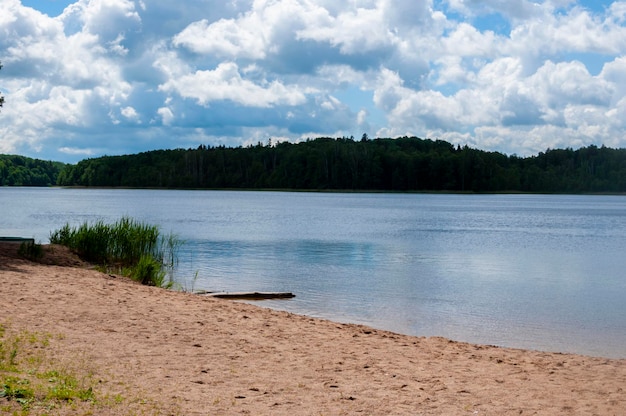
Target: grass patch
x=33, y=382
x=28, y=382
x=128, y=246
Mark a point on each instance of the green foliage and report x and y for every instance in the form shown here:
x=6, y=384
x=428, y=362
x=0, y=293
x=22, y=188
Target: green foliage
x=63, y=236
x=24, y=171
x=131, y=240
x=402, y=164
x=149, y=271
x=66, y=387
x=31, y=250
x=18, y=389
x=90, y=241
x=123, y=242
x=126, y=244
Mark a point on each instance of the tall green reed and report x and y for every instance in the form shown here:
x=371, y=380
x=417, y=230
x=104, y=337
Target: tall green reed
x=127, y=245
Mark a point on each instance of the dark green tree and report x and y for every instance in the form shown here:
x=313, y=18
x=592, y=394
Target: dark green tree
x=23, y=171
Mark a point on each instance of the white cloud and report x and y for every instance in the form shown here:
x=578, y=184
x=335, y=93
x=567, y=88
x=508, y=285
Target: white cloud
x=353, y=31
x=167, y=115
x=618, y=11
x=106, y=19
x=130, y=113
x=578, y=31
x=615, y=74
x=570, y=83
x=466, y=40
x=224, y=38
x=77, y=152
x=226, y=83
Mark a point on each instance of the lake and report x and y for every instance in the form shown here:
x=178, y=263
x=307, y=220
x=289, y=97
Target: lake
x=540, y=272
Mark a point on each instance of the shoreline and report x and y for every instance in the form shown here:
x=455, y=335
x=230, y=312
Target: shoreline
x=189, y=354
x=334, y=191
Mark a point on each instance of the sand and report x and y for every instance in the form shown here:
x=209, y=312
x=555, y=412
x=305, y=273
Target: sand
x=177, y=353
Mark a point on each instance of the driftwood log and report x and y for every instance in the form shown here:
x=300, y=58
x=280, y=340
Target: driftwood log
x=251, y=295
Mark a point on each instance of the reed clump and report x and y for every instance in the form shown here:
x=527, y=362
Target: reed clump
x=134, y=248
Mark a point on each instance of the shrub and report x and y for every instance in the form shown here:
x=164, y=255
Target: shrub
x=31, y=250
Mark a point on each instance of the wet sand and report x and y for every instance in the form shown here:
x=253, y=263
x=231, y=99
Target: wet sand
x=185, y=354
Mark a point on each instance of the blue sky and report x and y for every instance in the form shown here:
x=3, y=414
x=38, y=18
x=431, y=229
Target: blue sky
x=92, y=77
x=52, y=8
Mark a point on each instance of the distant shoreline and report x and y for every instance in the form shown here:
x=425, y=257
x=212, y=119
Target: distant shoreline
x=329, y=191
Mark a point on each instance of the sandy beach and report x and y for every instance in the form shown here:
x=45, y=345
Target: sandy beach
x=152, y=351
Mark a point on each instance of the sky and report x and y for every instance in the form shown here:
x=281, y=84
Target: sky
x=89, y=78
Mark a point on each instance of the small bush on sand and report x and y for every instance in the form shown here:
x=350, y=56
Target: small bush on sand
x=31, y=250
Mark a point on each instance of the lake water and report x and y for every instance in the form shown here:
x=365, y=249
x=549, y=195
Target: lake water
x=531, y=271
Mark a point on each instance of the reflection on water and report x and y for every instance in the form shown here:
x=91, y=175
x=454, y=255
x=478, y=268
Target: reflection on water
x=543, y=272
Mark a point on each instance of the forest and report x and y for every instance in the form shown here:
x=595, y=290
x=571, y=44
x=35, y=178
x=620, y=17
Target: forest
x=24, y=171
x=401, y=164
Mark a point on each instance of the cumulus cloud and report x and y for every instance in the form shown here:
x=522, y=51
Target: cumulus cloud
x=225, y=38
x=226, y=83
x=167, y=116
x=516, y=78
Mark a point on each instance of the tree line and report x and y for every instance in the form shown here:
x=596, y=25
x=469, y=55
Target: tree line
x=24, y=171
x=401, y=164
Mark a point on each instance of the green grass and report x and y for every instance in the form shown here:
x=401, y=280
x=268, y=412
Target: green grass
x=26, y=382
x=149, y=271
x=33, y=382
x=136, y=249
